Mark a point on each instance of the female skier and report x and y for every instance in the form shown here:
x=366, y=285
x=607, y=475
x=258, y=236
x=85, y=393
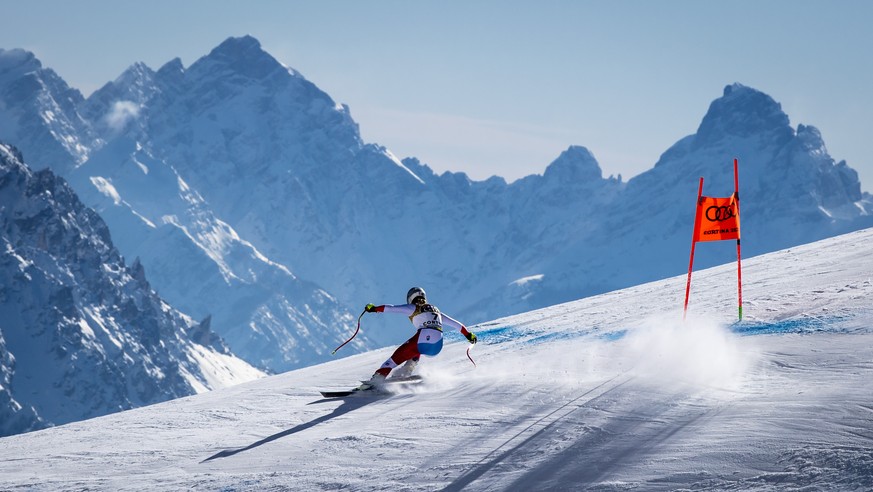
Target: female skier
x=428, y=339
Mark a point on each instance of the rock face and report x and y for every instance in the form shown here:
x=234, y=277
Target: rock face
x=195, y=258
x=81, y=334
x=226, y=176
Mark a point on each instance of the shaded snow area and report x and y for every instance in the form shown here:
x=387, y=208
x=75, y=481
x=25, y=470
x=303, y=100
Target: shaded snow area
x=612, y=392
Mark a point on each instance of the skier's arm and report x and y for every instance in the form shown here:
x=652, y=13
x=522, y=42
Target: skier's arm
x=449, y=321
x=406, y=309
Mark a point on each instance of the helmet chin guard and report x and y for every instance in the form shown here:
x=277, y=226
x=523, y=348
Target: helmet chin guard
x=415, y=293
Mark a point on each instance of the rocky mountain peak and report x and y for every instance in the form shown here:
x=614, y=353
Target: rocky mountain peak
x=576, y=164
x=242, y=56
x=16, y=62
x=810, y=138
x=235, y=47
x=118, y=102
x=171, y=72
x=744, y=112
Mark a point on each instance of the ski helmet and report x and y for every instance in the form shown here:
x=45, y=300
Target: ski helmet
x=414, y=293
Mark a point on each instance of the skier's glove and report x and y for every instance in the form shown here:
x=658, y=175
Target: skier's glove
x=471, y=337
x=370, y=308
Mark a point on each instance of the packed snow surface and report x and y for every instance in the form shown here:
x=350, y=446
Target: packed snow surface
x=612, y=392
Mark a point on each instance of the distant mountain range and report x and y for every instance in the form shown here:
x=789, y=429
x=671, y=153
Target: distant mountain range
x=196, y=260
x=227, y=176
x=82, y=334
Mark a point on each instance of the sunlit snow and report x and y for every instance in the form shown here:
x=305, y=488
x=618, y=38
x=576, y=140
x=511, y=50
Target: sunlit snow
x=612, y=392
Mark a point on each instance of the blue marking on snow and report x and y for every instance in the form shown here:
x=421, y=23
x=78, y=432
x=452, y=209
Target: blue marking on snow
x=805, y=324
x=531, y=336
x=499, y=335
x=524, y=334
x=612, y=336
x=555, y=335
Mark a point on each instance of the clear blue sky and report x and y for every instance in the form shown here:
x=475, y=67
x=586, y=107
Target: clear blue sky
x=502, y=87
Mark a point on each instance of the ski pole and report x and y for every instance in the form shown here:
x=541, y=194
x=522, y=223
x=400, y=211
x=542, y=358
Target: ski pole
x=468, y=356
x=353, y=336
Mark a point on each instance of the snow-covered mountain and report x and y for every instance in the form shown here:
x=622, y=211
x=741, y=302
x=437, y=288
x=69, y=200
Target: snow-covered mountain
x=607, y=393
x=240, y=170
x=196, y=260
x=81, y=333
x=791, y=192
x=39, y=109
x=239, y=124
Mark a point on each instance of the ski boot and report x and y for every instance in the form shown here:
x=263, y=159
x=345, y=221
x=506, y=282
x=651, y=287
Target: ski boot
x=374, y=382
x=406, y=370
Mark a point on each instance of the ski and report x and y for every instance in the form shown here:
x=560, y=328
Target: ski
x=340, y=394
x=373, y=389
x=402, y=379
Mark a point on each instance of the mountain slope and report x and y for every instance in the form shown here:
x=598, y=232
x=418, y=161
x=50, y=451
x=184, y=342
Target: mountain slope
x=267, y=315
x=40, y=112
x=82, y=334
x=14, y=418
x=198, y=262
x=610, y=392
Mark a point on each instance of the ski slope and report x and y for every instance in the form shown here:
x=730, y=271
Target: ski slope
x=611, y=392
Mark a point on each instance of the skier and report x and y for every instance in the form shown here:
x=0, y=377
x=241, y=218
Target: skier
x=428, y=339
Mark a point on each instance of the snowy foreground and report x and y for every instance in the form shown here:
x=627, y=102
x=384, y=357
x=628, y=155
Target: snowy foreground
x=612, y=392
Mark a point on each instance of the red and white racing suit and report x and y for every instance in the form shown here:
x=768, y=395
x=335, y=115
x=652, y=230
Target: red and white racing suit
x=428, y=339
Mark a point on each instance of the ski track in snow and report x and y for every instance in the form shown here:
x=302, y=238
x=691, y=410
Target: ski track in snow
x=606, y=393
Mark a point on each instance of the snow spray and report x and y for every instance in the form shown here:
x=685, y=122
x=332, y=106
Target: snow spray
x=698, y=352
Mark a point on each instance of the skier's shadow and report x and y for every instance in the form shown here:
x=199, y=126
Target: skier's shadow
x=349, y=405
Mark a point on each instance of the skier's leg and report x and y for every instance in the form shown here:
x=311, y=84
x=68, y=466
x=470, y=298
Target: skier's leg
x=408, y=350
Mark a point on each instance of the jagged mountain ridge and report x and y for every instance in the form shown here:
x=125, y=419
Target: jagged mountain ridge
x=352, y=200
x=338, y=197
x=280, y=163
x=40, y=109
x=791, y=192
x=82, y=334
x=199, y=263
